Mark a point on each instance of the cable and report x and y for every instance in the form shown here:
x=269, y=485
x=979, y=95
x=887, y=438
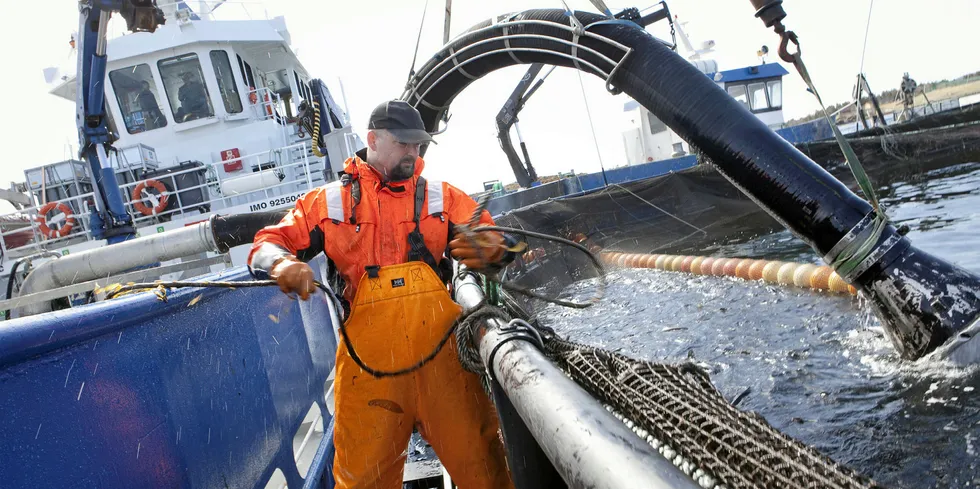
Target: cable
x=449, y=332
x=411, y=72
x=528, y=292
x=588, y=115
x=867, y=28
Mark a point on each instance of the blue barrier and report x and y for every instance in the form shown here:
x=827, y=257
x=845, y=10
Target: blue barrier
x=815, y=130
x=136, y=392
x=590, y=181
x=585, y=182
x=523, y=197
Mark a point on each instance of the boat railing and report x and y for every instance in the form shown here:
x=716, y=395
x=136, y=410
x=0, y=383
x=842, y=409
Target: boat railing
x=21, y=231
x=266, y=104
x=277, y=174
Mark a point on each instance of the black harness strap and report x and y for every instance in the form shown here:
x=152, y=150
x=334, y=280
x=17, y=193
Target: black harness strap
x=417, y=251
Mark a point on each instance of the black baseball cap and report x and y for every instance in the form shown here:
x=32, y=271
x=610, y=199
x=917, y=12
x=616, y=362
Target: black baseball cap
x=401, y=120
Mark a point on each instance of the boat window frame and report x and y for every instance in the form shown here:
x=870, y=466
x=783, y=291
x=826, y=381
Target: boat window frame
x=753, y=88
x=745, y=93
x=154, y=90
x=202, y=79
x=769, y=85
x=654, y=121
x=766, y=83
x=233, y=87
x=248, y=75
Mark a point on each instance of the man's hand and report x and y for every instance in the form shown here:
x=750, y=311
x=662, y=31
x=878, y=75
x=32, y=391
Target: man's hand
x=478, y=250
x=293, y=275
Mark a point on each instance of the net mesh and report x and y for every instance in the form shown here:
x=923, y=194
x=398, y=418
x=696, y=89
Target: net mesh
x=678, y=410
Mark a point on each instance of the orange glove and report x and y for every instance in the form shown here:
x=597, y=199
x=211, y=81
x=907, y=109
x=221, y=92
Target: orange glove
x=293, y=275
x=491, y=246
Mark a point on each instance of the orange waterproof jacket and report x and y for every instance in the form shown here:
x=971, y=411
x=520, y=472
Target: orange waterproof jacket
x=373, y=232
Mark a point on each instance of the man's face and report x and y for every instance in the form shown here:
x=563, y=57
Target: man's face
x=395, y=160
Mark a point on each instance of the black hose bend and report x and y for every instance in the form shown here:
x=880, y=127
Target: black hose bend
x=922, y=299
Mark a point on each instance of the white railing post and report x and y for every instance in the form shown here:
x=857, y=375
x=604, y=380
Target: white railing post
x=306, y=166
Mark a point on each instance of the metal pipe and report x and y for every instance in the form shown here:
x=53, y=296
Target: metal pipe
x=102, y=42
x=585, y=443
x=218, y=235
x=116, y=258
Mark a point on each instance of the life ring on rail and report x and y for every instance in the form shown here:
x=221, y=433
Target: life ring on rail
x=43, y=220
x=138, y=197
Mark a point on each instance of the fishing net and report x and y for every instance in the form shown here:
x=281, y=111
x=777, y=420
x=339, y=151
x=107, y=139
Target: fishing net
x=905, y=149
x=674, y=407
x=694, y=211
x=679, y=412
x=675, y=212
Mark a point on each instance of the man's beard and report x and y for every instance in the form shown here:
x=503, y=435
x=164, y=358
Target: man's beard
x=403, y=170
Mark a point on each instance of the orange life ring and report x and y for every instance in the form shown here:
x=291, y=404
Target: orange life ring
x=138, y=197
x=43, y=221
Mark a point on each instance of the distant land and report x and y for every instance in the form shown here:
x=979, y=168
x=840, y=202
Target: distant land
x=891, y=101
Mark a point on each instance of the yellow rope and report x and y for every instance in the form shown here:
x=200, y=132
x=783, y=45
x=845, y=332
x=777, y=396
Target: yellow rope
x=316, y=130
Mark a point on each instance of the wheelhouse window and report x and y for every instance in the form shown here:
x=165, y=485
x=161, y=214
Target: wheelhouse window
x=775, y=88
x=757, y=91
x=247, y=74
x=656, y=125
x=184, y=83
x=758, y=96
x=136, y=94
x=226, y=82
x=738, y=93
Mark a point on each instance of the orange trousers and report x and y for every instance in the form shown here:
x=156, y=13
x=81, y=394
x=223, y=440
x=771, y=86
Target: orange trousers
x=396, y=319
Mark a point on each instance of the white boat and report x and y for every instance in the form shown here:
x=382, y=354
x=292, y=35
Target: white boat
x=205, y=111
x=232, y=145
x=758, y=87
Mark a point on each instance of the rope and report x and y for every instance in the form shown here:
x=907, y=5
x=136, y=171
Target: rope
x=890, y=146
x=867, y=28
x=316, y=130
x=854, y=252
x=512, y=287
x=588, y=114
x=651, y=204
x=326, y=290
x=467, y=319
x=411, y=72
x=466, y=329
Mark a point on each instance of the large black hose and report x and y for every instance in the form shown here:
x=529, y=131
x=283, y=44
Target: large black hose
x=238, y=229
x=10, y=285
x=922, y=300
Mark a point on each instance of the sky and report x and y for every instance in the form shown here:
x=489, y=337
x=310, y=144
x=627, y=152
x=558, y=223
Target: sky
x=368, y=45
